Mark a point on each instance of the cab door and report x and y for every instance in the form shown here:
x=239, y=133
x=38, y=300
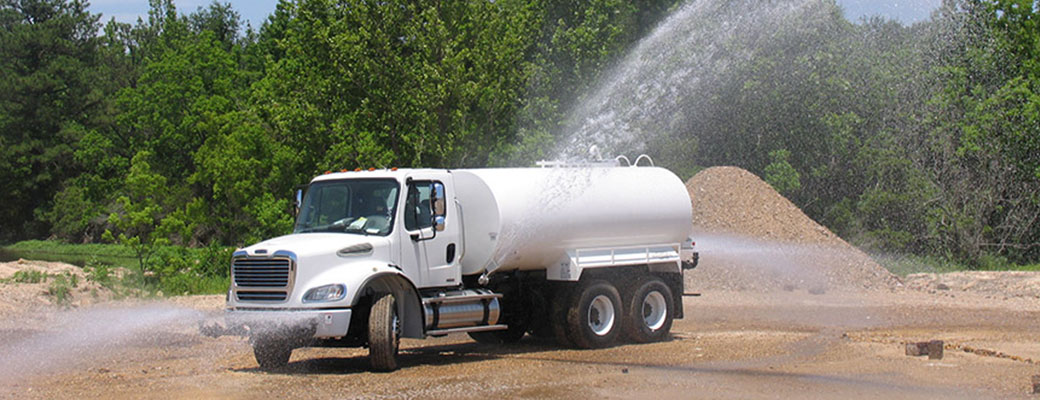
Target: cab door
x=432, y=231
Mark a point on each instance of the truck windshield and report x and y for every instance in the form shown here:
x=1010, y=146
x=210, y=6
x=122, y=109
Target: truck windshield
x=363, y=206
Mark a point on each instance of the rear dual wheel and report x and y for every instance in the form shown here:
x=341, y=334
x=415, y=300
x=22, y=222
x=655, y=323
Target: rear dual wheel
x=592, y=317
x=648, y=311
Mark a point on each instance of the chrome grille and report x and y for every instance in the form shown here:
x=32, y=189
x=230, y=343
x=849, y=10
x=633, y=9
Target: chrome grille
x=261, y=272
x=262, y=278
x=261, y=296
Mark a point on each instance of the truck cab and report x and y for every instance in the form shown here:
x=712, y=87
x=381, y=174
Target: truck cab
x=356, y=233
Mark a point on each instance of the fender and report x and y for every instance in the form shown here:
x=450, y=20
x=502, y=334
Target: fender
x=387, y=279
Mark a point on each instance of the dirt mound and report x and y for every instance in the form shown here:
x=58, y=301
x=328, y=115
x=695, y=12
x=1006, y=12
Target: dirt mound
x=994, y=284
x=33, y=285
x=752, y=238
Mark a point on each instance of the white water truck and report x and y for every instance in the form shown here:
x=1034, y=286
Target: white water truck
x=589, y=255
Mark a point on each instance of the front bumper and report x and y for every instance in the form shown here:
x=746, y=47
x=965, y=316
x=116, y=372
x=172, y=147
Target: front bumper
x=300, y=323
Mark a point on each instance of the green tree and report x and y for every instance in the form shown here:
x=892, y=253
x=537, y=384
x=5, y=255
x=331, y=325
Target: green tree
x=780, y=174
x=48, y=98
x=244, y=176
x=141, y=220
x=220, y=20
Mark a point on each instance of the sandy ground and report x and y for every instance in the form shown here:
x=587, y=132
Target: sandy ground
x=732, y=345
x=18, y=297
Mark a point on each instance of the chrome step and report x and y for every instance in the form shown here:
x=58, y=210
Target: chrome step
x=482, y=328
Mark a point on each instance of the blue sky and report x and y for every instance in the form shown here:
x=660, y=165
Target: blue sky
x=907, y=11
x=253, y=11
x=256, y=11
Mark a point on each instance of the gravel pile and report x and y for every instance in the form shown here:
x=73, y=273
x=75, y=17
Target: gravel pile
x=752, y=238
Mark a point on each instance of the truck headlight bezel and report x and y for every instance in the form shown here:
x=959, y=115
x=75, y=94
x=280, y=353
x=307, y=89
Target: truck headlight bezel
x=325, y=293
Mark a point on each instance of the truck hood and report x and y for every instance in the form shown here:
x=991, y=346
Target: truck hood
x=320, y=259
x=308, y=245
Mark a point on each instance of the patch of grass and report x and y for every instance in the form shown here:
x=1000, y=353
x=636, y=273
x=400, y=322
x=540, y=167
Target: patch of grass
x=172, y=270
x=904, y=265
x=61, y=287
x=99, y=272
x=1011, y=267
x=53, y=246
x=28, y=276
x=76, y=254
x=185, y=284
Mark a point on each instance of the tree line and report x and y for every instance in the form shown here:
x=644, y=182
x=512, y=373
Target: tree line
x=192, y=129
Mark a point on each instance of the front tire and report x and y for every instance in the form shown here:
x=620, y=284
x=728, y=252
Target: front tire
x=594, y=315
x=648, y=311
x=384, y=334
x=271, y=354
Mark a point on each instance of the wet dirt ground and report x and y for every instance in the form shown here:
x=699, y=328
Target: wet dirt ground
x=731, y=345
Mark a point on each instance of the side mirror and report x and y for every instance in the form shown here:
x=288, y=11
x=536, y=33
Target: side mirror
x=297, y=202
x=439, y=204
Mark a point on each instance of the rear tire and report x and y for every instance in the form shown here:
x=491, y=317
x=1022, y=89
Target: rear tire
x=648, y=311
x=384, y=333
x=271, y=354
x=594, y=315
x=558, y=317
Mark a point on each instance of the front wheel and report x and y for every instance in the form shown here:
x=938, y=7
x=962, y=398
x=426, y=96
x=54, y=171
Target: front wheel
x=384, y=334
x=648, y=311
x=594, y=315
x=271, y=354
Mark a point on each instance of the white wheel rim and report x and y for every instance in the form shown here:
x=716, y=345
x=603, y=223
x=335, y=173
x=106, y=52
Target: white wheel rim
x=655, y=310
x=601, y=315
x=396, y=326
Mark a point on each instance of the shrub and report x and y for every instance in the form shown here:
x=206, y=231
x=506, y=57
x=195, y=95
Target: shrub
x=98, y=272
x=61, y=287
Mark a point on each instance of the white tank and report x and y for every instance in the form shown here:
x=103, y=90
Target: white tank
x=526, y=218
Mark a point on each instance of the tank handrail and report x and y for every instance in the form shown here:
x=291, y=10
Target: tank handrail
x=641, y=157
x=618, y=159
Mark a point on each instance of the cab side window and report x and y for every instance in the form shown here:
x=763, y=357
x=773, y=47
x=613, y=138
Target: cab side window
x=418, y=213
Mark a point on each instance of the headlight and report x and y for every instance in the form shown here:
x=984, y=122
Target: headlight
x=331, y=292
